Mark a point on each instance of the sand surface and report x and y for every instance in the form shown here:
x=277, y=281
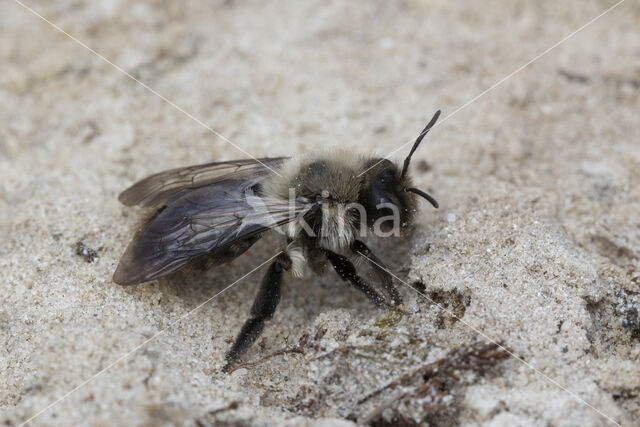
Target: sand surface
x=536, y=242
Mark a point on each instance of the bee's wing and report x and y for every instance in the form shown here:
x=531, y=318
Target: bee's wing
x=217, y=220
x=157, y=189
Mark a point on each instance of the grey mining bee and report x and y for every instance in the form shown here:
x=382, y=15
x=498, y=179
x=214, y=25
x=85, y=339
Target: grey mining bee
x=216, y=211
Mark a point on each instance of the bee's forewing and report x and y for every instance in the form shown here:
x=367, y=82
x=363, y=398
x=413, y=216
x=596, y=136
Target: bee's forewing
x=157, y=189
x=202, y=221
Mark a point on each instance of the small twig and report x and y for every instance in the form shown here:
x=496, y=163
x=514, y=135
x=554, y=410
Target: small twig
x=294, y=349
x=347, y=349
x=320, y=333
x=404, y=378
x=303, y=343
x=229, y=407
x=433, y=407
x=423, y=389
x=573, y=76
x=400, y=395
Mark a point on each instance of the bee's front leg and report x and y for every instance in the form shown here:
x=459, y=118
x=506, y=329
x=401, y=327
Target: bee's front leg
x=347, y=271
x=380, y=269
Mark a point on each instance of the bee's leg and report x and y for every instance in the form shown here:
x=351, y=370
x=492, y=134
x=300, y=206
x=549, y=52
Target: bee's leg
x=380, y=269
x=263, y=308
x=347, y=271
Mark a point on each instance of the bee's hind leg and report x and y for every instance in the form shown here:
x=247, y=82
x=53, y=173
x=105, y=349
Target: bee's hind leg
x=263, y=308
x=347, y=271
x=382, y=272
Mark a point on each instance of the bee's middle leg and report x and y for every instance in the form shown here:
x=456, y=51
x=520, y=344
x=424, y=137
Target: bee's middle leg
x=263, y=308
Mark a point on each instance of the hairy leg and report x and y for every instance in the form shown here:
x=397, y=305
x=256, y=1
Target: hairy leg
x=347, y=271
x=263, y=308
x=380, y=269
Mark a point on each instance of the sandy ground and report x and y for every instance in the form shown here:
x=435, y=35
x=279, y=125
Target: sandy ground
x=537, y=241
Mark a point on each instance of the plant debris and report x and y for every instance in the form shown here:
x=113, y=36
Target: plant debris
x=390, y=318
x=88, y=254
x=435, y=394
x=304, y=342
x=214, y=413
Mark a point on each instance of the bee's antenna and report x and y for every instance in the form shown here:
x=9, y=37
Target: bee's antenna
x=418, y=141
x=425, y=195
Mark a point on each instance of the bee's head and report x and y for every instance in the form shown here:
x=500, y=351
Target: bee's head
x=387, y=194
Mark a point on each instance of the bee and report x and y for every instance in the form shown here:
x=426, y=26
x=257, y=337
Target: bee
x=215, y=212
